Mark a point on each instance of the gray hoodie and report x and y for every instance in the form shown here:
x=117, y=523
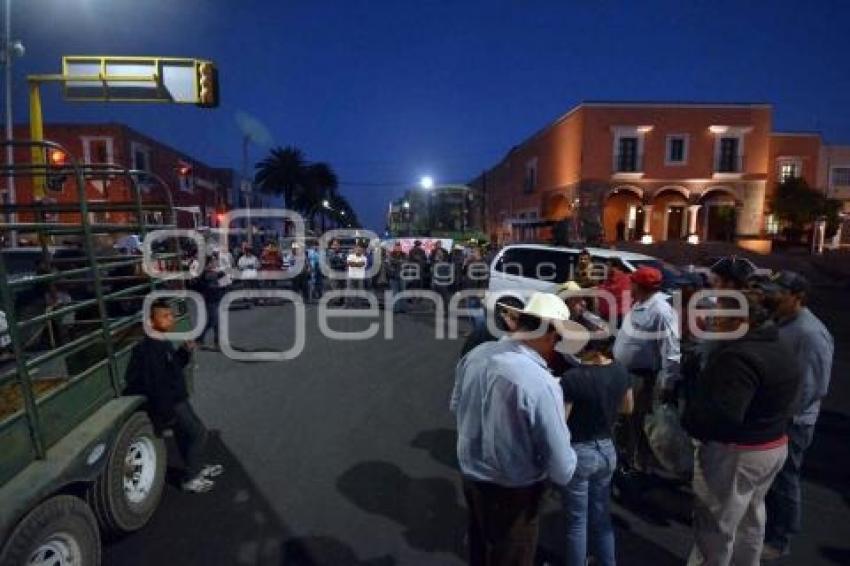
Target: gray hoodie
x=812, y=345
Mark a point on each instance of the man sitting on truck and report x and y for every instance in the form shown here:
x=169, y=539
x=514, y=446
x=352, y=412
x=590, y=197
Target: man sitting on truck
x=156, y=371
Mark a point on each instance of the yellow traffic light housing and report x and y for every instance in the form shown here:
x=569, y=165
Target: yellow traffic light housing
x=207, y=84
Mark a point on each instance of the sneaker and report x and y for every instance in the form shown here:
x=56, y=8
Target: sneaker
x=198, y=484
x=769, y=553
x=212, y=470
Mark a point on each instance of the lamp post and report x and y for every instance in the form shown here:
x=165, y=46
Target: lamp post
x=10, y=49
x=406, y=214
x=427, y=183
x=326, y=206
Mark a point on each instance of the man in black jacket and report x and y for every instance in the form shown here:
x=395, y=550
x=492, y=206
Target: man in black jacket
x=738, y=409
x=156, y=371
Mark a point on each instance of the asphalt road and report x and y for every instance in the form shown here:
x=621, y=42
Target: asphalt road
x=346, y=456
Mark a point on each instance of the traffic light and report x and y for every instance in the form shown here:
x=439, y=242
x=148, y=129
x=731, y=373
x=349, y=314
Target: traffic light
x=57, y=169
x=207, y=85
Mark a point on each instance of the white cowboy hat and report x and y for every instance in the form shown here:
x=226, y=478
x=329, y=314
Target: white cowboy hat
x=568, y=286
x=574, y=337
x=548, y=306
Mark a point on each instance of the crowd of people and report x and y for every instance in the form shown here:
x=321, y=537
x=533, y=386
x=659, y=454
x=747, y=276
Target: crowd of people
x=352, y=270
x=563, y=394
x=534, y=409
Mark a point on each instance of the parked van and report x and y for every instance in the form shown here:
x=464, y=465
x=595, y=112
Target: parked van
x=520, y=270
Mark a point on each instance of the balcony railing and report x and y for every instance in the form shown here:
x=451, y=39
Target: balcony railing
x=733, y=164
x=628, y=163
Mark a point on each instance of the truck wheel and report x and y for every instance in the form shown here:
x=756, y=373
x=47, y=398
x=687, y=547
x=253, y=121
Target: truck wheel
x=126, y=494
x=61, y=531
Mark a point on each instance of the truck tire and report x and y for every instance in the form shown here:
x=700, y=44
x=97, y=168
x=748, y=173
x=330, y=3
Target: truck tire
x=61, y=530
x=127, y=492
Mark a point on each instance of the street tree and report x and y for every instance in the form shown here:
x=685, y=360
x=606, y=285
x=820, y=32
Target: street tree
x=284, y=172
x=797, y=206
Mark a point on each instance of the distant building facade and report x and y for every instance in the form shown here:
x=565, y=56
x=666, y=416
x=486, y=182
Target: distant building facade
x=199, y=194
x=441, y=210
x=651, y=171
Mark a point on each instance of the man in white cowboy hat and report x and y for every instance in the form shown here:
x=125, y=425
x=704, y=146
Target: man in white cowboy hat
x=512, y=431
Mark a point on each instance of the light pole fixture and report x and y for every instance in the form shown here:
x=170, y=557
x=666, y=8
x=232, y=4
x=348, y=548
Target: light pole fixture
x=426, y=182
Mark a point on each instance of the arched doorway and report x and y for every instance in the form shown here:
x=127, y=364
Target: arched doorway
x=670, y=206
x=622, y=216
x=718, y=215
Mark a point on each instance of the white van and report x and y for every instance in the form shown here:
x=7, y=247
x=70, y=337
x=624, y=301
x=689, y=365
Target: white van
x=522, y=269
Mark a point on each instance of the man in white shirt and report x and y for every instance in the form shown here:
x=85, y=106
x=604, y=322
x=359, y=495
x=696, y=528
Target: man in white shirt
x=356, y=262
x=647, y=344
x=512, y=433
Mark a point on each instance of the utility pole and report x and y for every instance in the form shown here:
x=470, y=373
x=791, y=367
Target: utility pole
x=246, y=187
x=10, y=151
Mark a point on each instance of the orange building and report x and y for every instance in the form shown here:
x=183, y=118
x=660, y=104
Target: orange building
x=197, y=195
x=647, y=170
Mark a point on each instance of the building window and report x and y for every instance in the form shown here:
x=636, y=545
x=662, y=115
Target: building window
x=627, y=155
x=141, y=157
x=729, y=158
x=677, y=150
x=186, y=184
x=771, y=224
x=840, y=177
x=98, y=150
x=530, y=180
x=788, y=170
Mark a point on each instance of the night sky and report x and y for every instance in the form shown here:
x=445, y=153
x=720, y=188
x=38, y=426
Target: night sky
x=388, y=91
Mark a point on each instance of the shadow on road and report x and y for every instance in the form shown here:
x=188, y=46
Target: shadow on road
x=427, y=507
x=441, y=444
x=232, y=524
x=322, y=551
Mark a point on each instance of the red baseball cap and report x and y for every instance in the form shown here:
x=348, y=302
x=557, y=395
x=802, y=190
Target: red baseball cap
x=647, y=277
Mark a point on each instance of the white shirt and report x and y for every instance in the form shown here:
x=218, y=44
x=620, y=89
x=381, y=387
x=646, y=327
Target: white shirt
x=512, y=428
x=648, y=340
x=248, y=265
x=356, y=272
x=225, y=265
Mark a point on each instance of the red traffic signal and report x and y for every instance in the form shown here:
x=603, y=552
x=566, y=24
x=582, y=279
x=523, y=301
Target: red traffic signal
x=58, y=158
x=57, y=161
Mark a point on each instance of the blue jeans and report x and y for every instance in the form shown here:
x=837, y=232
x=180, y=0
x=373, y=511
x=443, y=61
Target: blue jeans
x=784, y=501
x=587, y=504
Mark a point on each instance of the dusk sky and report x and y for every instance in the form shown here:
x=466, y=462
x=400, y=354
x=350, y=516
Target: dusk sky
x=388, y=91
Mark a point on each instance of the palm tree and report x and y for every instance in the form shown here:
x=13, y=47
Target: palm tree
x=304, y=185
x=284, y=172
x=342, y=212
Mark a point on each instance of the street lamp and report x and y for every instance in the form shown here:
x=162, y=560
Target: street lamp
x=427, y=183
x=406, y=215
x=326, y=204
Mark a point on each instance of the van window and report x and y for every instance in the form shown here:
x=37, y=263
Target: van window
x=545, y=265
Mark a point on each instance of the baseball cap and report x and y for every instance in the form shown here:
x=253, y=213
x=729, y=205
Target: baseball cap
x=791, y=281
x=734, y=269
x=647, y=277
